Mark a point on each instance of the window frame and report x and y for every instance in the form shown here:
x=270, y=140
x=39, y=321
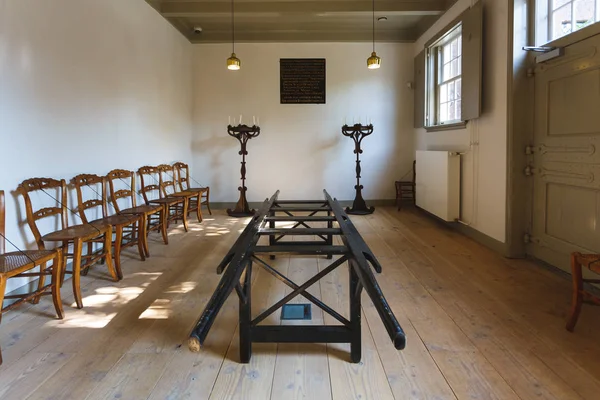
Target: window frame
x=434, y=67
x=544, y=20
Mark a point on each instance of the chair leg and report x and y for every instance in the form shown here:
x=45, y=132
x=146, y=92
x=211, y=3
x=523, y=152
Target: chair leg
x=199, y=209
x=577, y=276
x=77, y=249
x=144, y=233
x=57, y=268
x=164, y=223
x=138, y=232
x=65, y=248
x=41, y=282
x=185, y=211
x=2, y=289
x=117, y=254
x=207, y=200
x=90, y=250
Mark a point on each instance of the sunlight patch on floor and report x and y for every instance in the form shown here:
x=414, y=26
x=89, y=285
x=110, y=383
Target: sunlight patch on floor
x=159, y=309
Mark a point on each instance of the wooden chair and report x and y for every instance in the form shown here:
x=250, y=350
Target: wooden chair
x=175, y=207
x=405, y=190
x=182, y=178
x=153, y=216
x=167, y=185
x=76, y=235
x=578, y=261
x=126, y=227
x=20, y=263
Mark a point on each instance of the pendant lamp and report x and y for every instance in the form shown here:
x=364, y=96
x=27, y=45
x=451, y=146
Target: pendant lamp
x=233, y=63
x=373, y=62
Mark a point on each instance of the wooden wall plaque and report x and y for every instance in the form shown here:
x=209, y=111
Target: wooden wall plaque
x=302, y=80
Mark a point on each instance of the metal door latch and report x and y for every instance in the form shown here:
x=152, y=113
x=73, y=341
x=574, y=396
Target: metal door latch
x=529, y=170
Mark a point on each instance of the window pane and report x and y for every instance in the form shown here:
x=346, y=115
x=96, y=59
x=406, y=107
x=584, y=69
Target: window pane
x=444, y=112
x=459, y=45
x=458, y=88
x=443, y=93
x=452, y=111
x=458, y=112
x=454, y=48
x=561, y=22
x=584, y=13
x=451, y=91
x=446, y=74
x=458, y=66
x=557, y=3
x=447, y=55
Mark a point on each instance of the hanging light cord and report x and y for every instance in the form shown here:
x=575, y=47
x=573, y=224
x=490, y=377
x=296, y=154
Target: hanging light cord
x=373, y=25
x=233, y=29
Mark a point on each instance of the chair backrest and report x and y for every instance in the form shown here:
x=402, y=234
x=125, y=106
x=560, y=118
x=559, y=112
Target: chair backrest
x=167, y=179
x=97, y=185
x=147, y=176
x=2, y=221
x=116, y=194
x=31, y=186
x=182, y=175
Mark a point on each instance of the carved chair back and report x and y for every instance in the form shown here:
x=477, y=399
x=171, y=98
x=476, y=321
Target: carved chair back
x=182, y=175
x=128, y=178
x=150, y=183
x=167, y=179
x=96, y=201
x=33, y=186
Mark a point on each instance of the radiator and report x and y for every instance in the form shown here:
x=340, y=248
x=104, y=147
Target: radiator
x=438, y=183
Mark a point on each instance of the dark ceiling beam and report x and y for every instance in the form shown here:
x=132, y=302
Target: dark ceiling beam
x=399, y=36
x=203, y=8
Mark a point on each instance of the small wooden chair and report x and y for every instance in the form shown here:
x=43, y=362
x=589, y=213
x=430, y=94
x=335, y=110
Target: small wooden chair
x=153, y=215
x=175, y=207
x=126, y=227
x=182, y=178
x=578, y=261
x=405, y=190
x=19, y=263
x=167, y=185
x=76, y=234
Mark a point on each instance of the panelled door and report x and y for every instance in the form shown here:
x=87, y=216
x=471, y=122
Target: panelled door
x=566, y=155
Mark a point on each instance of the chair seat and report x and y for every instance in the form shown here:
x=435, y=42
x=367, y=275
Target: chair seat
x=590, y=261
x=199, y=189
x=166, y=200
x=16, y=260
x=117, y=220
x=83, y=231
x=145, y=209
x=183, y=194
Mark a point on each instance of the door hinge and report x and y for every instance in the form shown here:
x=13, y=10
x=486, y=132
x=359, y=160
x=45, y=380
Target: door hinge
x=529, y=170
x=527, y=238
x=529, y=150
x=530, y=72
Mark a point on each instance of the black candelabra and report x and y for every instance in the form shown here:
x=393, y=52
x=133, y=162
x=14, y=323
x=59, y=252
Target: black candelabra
x=242, y=133
x=358, y=132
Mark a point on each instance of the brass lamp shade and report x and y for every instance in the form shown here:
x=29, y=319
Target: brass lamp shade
x=233, y=62
x=374, y=61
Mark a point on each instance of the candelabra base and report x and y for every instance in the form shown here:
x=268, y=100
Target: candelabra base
x=242, y=209
x=359, y=207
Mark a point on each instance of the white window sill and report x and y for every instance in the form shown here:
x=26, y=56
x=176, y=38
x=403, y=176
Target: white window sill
x=447, y=127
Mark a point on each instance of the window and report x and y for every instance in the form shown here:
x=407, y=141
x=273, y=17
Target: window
x=448, y=74
x=445, y=59
x=567, y=16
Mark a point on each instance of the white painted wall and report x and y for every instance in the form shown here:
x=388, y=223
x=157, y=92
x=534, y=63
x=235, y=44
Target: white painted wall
x=87, y=86
x=301, y=150
x=484, y=165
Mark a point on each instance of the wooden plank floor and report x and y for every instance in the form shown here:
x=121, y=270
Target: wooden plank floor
x=479, y=326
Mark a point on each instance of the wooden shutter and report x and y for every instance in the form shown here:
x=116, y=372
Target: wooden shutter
x=419, y=91
x=472, y=29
